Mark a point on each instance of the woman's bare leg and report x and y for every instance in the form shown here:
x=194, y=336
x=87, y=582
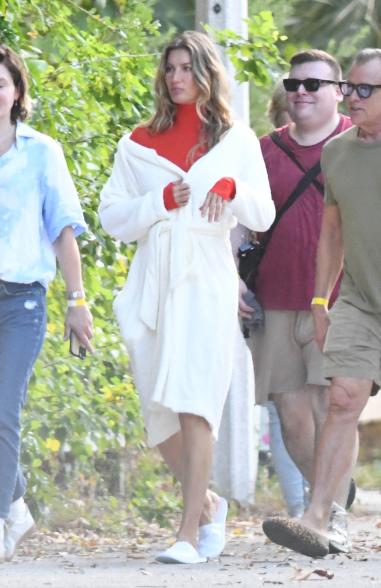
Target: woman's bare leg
x=189, y=456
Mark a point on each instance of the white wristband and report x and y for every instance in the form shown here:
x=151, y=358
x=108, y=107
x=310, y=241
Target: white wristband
x=77, y=302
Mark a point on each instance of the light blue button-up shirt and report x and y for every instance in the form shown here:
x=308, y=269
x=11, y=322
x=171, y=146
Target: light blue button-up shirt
x=37, y=200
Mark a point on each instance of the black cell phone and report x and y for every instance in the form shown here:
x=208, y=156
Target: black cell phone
x=75, y=347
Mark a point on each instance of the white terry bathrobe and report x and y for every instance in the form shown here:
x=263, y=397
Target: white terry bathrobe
x=178, y=309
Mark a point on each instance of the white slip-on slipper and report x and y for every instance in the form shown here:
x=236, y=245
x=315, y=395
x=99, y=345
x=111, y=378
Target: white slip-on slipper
x=180, y=552
x=211, y=539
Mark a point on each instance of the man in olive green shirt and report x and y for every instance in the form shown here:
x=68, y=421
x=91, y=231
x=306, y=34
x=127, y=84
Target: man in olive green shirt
x=350, y=335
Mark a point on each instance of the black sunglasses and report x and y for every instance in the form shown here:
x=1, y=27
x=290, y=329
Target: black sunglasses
x=362, y=90
x=310, y=84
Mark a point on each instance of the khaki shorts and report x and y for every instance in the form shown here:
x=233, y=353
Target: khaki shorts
x=286, y=357
x=353, y=345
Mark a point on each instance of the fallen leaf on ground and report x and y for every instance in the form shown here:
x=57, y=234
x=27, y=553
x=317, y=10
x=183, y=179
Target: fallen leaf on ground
x=305, y=573
x=302, y=574
x=324, y=573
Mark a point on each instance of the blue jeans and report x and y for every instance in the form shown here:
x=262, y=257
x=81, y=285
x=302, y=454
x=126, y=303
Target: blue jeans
x=22, y=330
x=290, y=478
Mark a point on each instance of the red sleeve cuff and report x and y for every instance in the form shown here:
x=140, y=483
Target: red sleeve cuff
x=169, y=199
x=225, y=187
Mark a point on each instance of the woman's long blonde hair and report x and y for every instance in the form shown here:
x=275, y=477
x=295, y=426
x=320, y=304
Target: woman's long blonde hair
x=209, y=74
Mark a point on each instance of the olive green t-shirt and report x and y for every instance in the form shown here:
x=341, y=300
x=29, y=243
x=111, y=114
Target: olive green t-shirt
x=352, y=170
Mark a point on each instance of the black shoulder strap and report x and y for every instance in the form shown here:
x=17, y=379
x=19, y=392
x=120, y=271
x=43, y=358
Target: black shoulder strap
x=308, y=178
x=282, y=145
x=304, y=182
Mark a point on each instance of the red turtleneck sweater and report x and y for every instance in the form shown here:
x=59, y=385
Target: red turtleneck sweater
x=175, y=144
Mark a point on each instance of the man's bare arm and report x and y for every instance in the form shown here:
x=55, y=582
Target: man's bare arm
x=329, y=263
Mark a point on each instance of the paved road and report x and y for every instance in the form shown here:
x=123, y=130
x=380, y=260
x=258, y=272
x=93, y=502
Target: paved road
x=75, y=561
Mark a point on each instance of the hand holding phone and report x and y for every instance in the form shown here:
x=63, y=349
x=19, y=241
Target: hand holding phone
x=75, y=347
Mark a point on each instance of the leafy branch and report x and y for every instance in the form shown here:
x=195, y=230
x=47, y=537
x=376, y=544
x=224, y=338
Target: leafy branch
x=257, y=57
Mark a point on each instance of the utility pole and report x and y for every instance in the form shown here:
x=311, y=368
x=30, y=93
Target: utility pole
x=227, y=14
x=236, y=452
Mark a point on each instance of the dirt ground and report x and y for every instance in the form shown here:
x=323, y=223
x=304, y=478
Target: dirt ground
x=86, y=560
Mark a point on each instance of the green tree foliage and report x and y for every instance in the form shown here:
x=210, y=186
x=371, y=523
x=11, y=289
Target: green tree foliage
x=90, y=82
x=341, y=27
x=256, y=57
x=175, y=14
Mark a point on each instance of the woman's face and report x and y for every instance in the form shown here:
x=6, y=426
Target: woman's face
x=179, y=77
x=8, y=93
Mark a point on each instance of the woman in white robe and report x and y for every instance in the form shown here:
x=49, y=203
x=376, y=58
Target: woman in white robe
x=178, y=309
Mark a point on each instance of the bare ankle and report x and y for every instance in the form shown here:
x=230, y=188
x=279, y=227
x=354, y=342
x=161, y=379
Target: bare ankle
x=316, y=519
x=188, y=537
x=210, y=507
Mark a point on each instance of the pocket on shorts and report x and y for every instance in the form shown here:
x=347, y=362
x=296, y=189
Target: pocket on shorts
x=345, y=328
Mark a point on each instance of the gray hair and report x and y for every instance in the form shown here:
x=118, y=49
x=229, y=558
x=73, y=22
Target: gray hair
x=366, y=55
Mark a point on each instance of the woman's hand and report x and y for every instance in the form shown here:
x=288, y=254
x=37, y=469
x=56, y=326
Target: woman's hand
x=79, y=320
x=181, y=193
x=213, y=206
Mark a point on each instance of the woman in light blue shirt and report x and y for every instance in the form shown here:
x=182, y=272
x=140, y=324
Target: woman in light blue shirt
x=40, y=217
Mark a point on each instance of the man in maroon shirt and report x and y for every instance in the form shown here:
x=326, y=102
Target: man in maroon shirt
x=288, y=362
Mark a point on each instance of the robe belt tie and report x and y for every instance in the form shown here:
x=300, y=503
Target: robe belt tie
x=182, y=260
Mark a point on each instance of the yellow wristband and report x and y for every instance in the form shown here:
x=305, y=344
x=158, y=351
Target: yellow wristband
x=76, y=302
x=319, y=301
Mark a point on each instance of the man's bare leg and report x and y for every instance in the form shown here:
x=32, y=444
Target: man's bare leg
x=303, y=415
x=337, y=446
x=298, y=427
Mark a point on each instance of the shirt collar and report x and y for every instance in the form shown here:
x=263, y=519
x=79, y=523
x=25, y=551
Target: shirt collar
x=23, y=130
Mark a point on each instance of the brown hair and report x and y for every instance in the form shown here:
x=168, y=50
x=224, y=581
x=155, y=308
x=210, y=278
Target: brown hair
x=277, y=106
x=16, y=68
x=312, y=55
x=209, y=74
